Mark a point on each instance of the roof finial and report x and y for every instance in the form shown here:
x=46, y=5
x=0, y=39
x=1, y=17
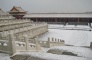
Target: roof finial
x=14, y=6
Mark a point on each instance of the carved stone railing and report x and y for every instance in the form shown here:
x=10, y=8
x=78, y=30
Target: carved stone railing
x=12, y=46
x=14, y=26
x=11, y=43
x=34, y=28
x=14, y=21
x=52, y=42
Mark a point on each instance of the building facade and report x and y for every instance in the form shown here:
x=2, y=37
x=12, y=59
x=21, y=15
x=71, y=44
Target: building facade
x=61, y=18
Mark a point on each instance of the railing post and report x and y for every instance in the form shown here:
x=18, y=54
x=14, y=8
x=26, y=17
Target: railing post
x=53, y=41
x=56, y=42
x=48, y=43
x=38, y=47
x=11, y=45
x=27, y=42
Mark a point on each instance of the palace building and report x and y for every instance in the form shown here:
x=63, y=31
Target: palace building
x=17, y=12
x=60, y=17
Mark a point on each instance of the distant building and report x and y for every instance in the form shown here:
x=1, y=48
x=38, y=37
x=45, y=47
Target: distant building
x=17, y=12
x=4, y=15
x=60, y=17
x=2, y=12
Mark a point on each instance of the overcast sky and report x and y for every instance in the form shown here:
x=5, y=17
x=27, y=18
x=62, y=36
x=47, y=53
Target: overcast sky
x=50, y=6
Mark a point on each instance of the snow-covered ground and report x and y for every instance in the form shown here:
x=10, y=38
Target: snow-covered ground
x=71, y=37
x=46, y=56
x=70, y=27
x=4, y=56
x=80, y=51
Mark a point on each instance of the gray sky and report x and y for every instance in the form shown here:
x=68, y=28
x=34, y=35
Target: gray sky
x=34, y=6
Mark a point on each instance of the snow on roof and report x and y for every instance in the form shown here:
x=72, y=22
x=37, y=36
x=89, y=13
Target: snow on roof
x=4, y=41
x=19, y=42
x=32, y=44
x=20, y=9
x=2, y=12
x=58, y=15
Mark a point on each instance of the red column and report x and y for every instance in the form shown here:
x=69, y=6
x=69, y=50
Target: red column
x=55, y=19
x=78, y=20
